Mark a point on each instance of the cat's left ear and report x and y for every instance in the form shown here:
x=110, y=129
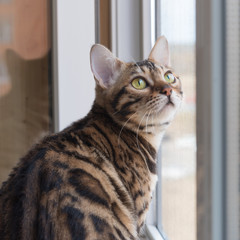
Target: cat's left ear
x=105, y=66
x=160, y=53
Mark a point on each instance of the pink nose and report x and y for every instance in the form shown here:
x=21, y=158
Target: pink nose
x=167, y=91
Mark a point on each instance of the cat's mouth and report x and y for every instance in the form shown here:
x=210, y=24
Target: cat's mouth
x=168, y=105
x=169, y=102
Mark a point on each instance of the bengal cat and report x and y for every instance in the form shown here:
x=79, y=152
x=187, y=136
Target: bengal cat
x=94, y=180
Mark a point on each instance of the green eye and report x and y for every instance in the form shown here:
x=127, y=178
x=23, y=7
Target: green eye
x=139, y=83
x=169, y=77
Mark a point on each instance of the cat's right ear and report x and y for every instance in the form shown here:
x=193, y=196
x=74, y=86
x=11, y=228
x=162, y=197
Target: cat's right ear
x=160, y=52
x=105, y=66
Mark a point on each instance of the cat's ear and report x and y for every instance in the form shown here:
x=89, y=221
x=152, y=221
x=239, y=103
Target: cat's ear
x=160, y=52
x=105, y=66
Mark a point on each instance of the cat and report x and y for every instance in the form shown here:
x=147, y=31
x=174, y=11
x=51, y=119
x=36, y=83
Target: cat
x=95, y=179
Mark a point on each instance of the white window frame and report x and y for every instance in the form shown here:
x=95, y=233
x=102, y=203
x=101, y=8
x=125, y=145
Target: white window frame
x=73, y=83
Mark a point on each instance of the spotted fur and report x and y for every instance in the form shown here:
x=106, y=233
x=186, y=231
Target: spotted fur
x=94, y=180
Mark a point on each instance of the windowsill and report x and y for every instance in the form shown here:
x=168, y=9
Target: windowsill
x=153, y=233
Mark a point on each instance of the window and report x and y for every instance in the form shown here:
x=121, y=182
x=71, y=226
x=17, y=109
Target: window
x=197, y=196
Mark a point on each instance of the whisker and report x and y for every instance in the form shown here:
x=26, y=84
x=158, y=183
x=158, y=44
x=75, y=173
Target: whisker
x=147, y=128
x=138, y=140
x=147, y=120
x=124, y=126
x=155, y=116
x=153, y=124
x=139, y=129
x=116, y=112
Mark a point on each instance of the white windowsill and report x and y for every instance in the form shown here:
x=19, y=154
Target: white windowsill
x=153, y=233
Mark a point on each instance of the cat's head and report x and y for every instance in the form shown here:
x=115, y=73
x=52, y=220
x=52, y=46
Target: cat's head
x=144, y=95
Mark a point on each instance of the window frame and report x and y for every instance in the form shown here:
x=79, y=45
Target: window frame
x=210, y=119
x=70, y=71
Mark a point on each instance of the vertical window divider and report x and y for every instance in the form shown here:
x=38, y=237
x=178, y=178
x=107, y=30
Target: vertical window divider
x=210, y=47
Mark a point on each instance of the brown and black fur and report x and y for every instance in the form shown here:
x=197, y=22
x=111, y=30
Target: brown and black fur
x=94, y=180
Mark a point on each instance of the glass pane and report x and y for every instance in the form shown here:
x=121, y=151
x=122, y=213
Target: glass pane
x=176, y=20
x=25, y=84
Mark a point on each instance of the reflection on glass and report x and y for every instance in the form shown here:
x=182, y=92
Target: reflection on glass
x=24, y=78
x=177, y=23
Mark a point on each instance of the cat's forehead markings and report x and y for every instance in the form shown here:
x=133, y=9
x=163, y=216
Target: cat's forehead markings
x=137, y=70
x=160, y=67
x=146, y=63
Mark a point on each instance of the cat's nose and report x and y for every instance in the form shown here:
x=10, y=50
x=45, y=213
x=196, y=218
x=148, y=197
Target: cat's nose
x=166, y=90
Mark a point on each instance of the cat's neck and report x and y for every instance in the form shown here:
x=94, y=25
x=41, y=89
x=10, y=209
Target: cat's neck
x=152, y=135
x=154, y=139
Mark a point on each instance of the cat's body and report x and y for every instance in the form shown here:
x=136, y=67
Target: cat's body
x=95, y=179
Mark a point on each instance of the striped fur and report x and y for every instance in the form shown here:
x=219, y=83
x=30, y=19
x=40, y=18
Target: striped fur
x=94, y=180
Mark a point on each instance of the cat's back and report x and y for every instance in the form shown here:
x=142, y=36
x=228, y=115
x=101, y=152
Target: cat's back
x=63, y=189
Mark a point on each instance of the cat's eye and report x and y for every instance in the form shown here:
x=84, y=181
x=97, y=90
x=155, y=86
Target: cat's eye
x=139, y=83
x=169, y=77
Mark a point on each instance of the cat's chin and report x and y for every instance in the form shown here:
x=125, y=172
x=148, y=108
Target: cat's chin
x=167, y=113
